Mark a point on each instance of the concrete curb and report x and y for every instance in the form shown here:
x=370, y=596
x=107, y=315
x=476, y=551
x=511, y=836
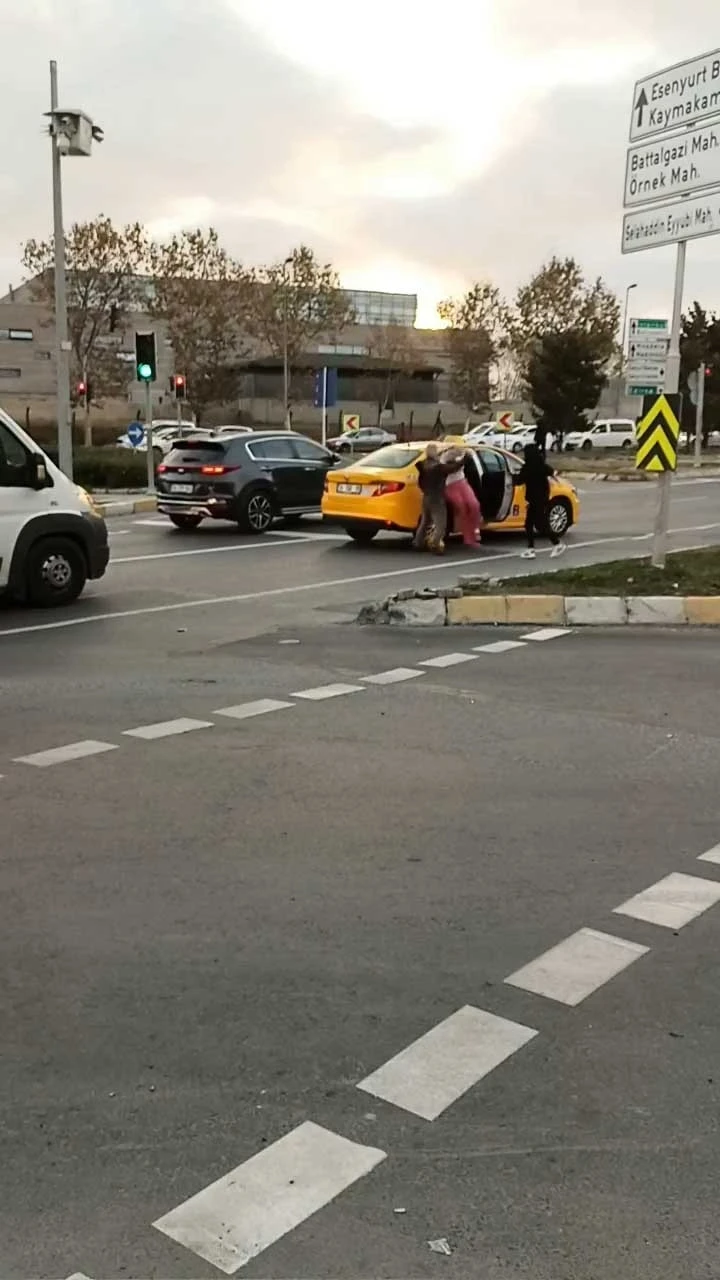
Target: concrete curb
x=449, y=607
x=635, y=477
x=125, y=507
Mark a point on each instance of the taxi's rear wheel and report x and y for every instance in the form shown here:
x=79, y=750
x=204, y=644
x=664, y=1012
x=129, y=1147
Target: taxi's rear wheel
x=361, y=533
x=559, y=516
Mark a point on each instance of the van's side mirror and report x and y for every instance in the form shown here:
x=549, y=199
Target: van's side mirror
x=39, y=474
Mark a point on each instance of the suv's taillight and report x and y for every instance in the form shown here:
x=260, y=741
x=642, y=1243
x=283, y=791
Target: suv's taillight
x=217, y=471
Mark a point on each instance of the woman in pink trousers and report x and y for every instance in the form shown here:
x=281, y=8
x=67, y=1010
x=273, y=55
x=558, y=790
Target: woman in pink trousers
x=461, y=498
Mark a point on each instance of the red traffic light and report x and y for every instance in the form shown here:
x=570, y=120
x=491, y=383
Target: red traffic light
x=708, y=371
x=81, y=388
x=179, y=380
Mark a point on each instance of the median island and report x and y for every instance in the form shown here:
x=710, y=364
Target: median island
x=686, y=591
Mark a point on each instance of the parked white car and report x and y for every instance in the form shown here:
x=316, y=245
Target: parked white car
x=607, y=433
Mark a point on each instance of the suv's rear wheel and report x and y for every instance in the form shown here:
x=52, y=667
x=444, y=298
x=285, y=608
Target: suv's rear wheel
x=257, y=512
x=186, y=522
x=55, y=572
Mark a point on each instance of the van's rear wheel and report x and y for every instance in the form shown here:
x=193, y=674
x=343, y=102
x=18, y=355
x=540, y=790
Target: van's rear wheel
x=55, y=572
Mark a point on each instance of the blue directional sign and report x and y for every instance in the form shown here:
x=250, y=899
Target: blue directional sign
x=326, y=388
x=136, y=433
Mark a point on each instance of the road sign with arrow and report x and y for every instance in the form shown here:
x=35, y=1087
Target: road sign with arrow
x=676, y=97
x=658, y=433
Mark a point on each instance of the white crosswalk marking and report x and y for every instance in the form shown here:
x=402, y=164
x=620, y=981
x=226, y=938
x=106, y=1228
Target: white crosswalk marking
x=73, y=751
x=448, y=660
x=324, y=691
x=246, y=710
x=712, y=855
x=673, y=902
x=547, y=633
x=499, y=646
x=395, y=676
x=572, y=970
x=167, y=728
x=437, y=1069
x=243, y=1213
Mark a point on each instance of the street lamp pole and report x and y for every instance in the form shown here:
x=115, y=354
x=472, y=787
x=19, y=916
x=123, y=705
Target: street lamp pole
x=628, y=291
x=286, y=362
x=62, y=346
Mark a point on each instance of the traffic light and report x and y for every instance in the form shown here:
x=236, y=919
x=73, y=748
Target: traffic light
x=179, y=386
x=145, y=357
x=81, y=390
x=708, y=371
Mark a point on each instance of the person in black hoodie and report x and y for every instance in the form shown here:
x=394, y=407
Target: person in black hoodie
x=535, y=475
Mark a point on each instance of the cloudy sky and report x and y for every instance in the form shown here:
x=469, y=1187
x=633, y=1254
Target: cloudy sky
x=417, y=147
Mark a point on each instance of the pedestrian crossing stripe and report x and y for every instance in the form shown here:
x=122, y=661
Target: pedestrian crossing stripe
x=657, y=433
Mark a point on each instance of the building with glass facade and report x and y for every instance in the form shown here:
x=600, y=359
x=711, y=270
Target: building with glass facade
x=375, y=308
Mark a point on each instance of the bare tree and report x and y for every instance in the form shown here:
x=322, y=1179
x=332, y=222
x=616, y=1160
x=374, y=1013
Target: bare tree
x=293, y=304
x=396, y=354
x=103, y=266
x=477, y=334
x=202, y=294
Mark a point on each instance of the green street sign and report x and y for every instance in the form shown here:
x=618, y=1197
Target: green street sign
x=643, y=390
x=652, y=324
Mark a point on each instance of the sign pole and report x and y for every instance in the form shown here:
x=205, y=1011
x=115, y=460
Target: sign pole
x=149, y=438
x=699, y=410
x=324, y=403
x=672, y=383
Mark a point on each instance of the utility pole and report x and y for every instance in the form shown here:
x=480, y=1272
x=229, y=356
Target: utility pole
x=672, y=384
x=699, y=413
x=62, y=346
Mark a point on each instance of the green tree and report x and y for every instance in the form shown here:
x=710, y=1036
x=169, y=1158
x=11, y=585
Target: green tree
x=565, y=376
x=202, y=294
x=292, y=304
x=700, y=345
x=558, y=300
x=477, y=335
x=103, y=268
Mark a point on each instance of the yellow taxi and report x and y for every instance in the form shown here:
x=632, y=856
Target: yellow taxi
x=381, y=491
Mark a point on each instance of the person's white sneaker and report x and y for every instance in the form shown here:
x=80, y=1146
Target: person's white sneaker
x=558, y=550
x=528, y=555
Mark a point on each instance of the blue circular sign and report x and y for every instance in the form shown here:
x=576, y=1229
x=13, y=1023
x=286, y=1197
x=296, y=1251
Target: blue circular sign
x=136, y=433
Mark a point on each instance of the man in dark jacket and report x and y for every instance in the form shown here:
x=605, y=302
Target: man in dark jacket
x=433, y=521
x=535, y=475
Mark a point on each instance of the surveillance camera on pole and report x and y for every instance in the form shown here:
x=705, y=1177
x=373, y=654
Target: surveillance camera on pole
x=72, y=133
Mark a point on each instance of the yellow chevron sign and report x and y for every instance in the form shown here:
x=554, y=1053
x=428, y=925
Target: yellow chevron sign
x=657, y=433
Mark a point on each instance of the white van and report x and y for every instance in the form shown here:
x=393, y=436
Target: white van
x=606, y=433
x=52, y=537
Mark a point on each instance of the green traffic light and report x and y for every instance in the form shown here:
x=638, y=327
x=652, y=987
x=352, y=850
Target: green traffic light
x=144, y=372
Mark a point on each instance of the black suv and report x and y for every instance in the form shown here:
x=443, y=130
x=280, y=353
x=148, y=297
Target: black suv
x=250, y=479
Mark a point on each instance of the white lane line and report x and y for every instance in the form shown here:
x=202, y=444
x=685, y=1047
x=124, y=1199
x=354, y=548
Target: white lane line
x=547, y=633
x=246, y=710
x=448, y=660
x=499, y=646
x=243, y=1213
x=309, y=536
x=394, y=676
x=673, y=902
x=73, y=751
x=437, y=1069
x=167, y=728
x=577, y=966
x=324, y=691
x=208, y=551
x=712, y=855
x=272, y=592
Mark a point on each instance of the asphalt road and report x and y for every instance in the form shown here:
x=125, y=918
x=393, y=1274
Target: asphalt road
x=217, y=924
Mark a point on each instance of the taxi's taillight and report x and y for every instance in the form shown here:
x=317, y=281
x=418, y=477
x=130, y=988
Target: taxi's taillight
x=393, y=486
